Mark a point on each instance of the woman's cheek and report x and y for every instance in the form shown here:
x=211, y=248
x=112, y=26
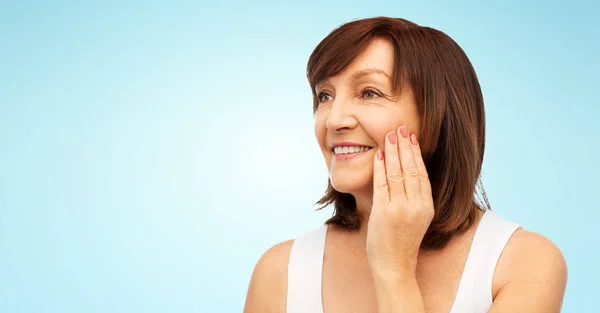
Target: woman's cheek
x=378, y=126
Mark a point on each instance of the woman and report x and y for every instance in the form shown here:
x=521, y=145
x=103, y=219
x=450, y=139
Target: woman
x=400, y=120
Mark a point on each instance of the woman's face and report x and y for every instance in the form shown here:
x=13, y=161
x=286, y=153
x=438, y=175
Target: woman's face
x=356, y=111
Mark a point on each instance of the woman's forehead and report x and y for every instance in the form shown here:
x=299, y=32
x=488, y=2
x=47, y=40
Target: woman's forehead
x=377, y=60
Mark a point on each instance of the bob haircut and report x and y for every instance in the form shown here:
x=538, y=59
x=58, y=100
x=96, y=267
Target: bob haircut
x=450, y=106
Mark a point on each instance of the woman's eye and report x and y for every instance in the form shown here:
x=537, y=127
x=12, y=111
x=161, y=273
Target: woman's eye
x=369, y=94
x=322, y=97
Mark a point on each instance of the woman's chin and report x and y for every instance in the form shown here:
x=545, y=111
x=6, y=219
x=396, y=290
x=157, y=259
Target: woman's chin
x=351, y=184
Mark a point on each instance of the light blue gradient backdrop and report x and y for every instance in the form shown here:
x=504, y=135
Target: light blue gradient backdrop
x=150, y=152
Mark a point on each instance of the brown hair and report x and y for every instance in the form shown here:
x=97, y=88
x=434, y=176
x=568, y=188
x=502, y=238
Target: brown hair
x=450, y=105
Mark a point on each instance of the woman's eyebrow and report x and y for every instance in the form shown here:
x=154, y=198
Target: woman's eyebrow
x=322, y=83
x=359, y=74
x=370, y=71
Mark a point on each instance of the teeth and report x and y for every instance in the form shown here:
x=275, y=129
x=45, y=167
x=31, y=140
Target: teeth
x=349, y=150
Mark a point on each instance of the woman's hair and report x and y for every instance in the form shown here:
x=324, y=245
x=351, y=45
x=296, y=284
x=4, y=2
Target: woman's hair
x=450, y=106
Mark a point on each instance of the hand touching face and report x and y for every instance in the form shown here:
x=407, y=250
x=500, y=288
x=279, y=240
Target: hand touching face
x=402, y=204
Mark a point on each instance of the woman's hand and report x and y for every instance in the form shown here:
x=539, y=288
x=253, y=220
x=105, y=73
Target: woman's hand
x=402, y=206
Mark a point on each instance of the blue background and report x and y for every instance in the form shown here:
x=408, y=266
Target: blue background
x=150, y=152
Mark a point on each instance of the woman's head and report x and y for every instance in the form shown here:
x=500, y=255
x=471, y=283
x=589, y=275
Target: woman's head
x=372, y=75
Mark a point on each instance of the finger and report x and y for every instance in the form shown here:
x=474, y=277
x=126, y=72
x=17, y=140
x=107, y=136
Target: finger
x=381, y=194
x=393, y=170
x=424, y=182
x=409, y=169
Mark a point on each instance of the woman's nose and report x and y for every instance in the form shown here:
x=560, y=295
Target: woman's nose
x=340, y=117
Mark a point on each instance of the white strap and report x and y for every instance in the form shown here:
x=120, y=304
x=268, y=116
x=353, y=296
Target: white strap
x=305, y=270
x=475, y=290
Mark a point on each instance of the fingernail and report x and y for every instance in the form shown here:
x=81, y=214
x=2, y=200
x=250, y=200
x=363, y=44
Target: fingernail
x=413, y=139
x=404, y=131
x=392, y=137
x=379, y=154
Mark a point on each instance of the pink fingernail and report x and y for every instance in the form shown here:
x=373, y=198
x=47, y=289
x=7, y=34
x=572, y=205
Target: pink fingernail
x=413, y=139
x=392, y=137
x=379, y=154
x=404, y=131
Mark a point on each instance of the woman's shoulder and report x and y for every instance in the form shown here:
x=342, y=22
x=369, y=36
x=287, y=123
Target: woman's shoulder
x=274, y=260
x=530, y=265
x=532, y=254
x=269, y=282
x=268, y=285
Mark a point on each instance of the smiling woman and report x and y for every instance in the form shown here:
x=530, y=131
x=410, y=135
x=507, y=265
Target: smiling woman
x=399, y=119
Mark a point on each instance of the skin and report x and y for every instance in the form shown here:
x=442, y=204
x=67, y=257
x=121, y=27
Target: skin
x=380, y=268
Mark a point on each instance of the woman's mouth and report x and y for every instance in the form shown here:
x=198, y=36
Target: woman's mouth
x=349, y=152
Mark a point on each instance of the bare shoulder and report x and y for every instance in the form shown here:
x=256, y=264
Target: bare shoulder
x=268, y=286
x=531, y=255
x=531, y=272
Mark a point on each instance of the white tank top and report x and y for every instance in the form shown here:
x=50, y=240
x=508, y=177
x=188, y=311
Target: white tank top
x=474, y=293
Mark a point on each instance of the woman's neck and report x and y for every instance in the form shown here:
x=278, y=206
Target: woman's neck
x=364, y=202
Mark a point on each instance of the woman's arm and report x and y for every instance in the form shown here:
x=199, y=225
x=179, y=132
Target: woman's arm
x=401, y=213
x=268, y=286
x=397, y=292
x=531, y=276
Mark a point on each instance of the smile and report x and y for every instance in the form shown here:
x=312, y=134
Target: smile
x=350, y=150
x=342, y=153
